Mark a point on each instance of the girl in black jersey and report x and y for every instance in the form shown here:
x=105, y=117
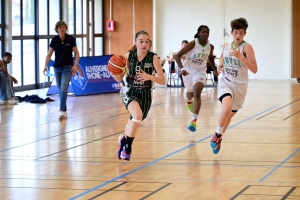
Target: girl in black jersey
x=137, y=94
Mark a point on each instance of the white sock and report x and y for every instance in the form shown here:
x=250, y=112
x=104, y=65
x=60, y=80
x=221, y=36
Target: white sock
x=219, y=130
x=194, y=116
x=189, y=100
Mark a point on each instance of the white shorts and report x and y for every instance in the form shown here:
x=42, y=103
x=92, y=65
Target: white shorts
x=238, y=92
x=193, y=77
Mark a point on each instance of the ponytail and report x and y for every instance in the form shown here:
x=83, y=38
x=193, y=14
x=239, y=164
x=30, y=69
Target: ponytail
x=133, y=48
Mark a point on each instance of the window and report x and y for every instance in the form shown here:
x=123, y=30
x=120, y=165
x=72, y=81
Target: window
x=32, y=29
x=33, y=23
x=23, y=50
x=77, y=18
x=1, y=28
x=98, y=28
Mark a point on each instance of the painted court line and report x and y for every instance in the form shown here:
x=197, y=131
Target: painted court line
x=157, y=160
x=273, y=170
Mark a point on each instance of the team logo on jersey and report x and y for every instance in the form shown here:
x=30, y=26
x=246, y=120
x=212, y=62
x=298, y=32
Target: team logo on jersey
x=79, y=78
x=148, y=65
x=197, y=61
x=232, y=72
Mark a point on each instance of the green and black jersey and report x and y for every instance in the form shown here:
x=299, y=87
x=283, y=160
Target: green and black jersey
x=136, y=66
x=136, y=90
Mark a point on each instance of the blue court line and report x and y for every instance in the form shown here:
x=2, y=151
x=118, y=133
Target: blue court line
x=273, y=170
x=157, y=160
x=250, y=117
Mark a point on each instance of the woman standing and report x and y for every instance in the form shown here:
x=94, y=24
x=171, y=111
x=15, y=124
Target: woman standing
x=64, y=66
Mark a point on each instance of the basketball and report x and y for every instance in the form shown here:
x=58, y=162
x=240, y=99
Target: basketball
x=117, y=64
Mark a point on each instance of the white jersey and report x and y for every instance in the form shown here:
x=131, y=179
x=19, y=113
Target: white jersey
x=233, y=69
x=197, y=57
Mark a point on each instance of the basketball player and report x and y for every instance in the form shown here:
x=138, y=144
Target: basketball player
x=236, y=59
x=137, y=94
x=194, y=70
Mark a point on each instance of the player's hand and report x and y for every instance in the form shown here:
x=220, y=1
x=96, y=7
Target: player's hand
x=216, y=73
x=14, y=80
x=220, y=69
x=235, y=52
x=298, y=79
x=183, y=73
x=45, y=70
x=143, y=76
x=75, y=69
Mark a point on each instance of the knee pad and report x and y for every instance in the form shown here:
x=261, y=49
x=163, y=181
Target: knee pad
x=136, y=121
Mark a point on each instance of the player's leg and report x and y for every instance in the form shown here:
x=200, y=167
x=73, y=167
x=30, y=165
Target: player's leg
x=198, y=85
x=226, y=124
x=239, y=95
x=3, y=93
x=226, y=111
x=223, y=122
x=130, y=130
x=65, y=74
x=122, y=141
x=188, y=84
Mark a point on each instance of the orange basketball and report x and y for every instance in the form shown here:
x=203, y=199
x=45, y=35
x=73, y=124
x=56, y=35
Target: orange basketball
x=117, y=64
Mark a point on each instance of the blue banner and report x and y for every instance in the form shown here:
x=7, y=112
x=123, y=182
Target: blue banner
x=93, y=77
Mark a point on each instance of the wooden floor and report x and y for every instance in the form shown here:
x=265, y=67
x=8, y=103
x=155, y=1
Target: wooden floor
x=44, y=158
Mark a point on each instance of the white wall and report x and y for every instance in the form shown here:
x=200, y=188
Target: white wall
x=269, y=30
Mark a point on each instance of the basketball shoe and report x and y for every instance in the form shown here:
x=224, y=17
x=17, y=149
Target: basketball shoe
x=121, y=143
x=215, y=143
x=192, y=126
x=190, y=106
x=124, y=155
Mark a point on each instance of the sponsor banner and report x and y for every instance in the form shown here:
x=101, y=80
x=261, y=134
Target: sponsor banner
x=93, y=77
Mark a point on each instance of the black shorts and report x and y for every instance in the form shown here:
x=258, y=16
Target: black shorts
x=143, y=97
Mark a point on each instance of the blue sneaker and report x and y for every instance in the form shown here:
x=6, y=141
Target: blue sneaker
x=215, y=143
x=121, y=142
x=192, y=126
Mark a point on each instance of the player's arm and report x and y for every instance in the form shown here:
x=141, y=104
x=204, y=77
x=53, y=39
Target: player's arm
x=249, y=61
x=211, y=59
x=48, y=57
x=182, y=52
x=2, y=66
x=75, y=66
x=119, y=78
x=160, y=78
x=220, y=67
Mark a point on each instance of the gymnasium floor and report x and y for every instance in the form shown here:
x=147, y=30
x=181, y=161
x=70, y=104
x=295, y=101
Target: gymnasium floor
x=44, y=158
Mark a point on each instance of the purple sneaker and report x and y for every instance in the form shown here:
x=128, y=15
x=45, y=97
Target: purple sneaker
x=124, y=155
x=121, y=141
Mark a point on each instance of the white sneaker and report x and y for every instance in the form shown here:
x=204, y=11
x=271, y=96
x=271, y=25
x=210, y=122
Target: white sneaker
x=62, y=115
x=12, y=102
